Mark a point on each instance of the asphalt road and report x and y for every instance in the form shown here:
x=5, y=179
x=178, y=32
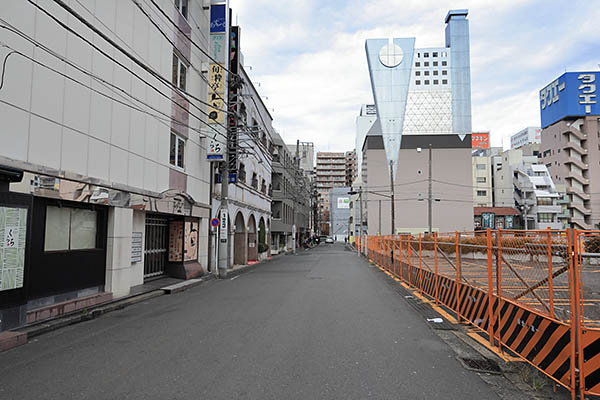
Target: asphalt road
x=319, y=325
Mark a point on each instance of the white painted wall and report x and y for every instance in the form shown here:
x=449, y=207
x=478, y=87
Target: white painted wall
x=65, y=129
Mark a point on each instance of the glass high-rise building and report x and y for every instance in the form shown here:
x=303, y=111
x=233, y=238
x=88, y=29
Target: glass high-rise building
x=423, y=99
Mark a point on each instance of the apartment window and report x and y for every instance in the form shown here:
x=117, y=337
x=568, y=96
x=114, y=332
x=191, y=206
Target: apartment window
x=426, y=82
x=426, y=64
x=418, y=73
x=435, y=63
x=444, y=72
x=444, y=54
x=177, y=154
x=426, y=73
x=480, y=166
x=545, y=217
x=435, y=82
x=544, y=201
x=182, y=7
x=179, y=71
x=242, y=173
x=435, y=72
x=417, y=64
x=70, y=229
x=425, y=54
x=435, y=54
x=444, y=81
x=444, y=63
x=417, y=82
x=482, y=193
x=481, y=179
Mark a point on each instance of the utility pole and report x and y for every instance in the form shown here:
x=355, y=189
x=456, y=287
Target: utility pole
x=295, y=170
x=379, y=230
x=358, y=249
x=392, y=189
x=430, y=196
x=223, y=262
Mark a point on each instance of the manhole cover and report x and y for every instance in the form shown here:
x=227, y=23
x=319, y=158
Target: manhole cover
x=487, y=366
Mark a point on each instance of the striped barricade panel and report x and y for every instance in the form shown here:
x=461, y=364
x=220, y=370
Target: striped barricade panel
x=447, y=291
x=473, y=305
x=428, y=283
x=544, y=342
x=591, y=361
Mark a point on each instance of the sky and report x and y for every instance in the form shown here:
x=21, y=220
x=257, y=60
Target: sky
x=308, y=60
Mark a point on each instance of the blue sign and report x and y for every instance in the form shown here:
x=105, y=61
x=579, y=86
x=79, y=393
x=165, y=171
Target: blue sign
x=573, y=94
x=218, y=21
x=214, y=222
x=232, y=177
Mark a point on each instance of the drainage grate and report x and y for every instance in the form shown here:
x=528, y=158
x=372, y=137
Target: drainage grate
x=487, y=366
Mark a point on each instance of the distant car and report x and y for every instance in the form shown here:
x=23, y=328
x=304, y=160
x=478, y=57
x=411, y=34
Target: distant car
x=329, y=240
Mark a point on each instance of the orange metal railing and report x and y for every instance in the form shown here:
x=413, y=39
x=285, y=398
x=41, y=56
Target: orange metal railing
x=536, y=293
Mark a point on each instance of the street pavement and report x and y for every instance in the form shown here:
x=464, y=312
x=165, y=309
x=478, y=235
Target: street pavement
x=319, y=325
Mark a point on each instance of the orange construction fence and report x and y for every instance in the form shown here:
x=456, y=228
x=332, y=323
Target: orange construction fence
x=536, y=293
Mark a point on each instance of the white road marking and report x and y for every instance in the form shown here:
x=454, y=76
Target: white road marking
x=237, y=276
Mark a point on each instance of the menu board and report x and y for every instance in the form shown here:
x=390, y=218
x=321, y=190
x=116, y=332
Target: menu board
x=176, y=241
x=13, y=231
x=191, y=240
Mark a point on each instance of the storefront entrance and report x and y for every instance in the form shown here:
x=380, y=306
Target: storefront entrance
x=156, y=248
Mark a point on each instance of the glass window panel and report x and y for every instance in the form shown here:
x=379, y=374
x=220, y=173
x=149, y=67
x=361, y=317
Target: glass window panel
x=83, y=229
x=57, y=228
x=184, y=8
x=180, y=152
x=182, y=70
x=175, y=70
x=173, y=152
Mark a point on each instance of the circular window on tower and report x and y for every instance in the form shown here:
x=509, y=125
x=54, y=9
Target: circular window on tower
x=391, y=55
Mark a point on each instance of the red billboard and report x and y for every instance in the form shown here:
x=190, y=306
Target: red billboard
x=480, y=140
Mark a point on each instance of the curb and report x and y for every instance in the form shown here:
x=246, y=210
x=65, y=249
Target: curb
x=18, y=337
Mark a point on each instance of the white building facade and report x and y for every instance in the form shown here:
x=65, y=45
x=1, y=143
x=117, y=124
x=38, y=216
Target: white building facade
x=111, y=134
x=531, y=134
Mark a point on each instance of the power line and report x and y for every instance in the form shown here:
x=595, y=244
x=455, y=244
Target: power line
x=73, y=129
x=191, y=64
x=183, y=33
x=170, y=119
x=127, y=54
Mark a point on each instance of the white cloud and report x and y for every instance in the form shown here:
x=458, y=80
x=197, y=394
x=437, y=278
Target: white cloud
x=309, y=57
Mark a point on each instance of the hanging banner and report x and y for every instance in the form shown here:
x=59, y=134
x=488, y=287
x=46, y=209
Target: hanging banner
x=13, y=231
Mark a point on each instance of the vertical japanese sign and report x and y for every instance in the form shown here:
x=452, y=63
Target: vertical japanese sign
x=13, y=231
x=176, y=241
x=224, y=233
x=217, y=78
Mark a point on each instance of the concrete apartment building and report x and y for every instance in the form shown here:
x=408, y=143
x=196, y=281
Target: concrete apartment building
x=249, y=194
x=522, y=182
x=570, y=143
x=306, y=152
x=351, y=167
x=483, y=194
x=330, y=173
x=291, y=198
x=423, y=99
x=116, y=184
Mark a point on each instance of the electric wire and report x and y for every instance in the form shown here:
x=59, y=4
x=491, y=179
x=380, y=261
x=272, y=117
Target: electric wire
x=126, y=54
x=139, y=109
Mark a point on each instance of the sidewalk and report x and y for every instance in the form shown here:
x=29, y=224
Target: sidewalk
x=148, y=290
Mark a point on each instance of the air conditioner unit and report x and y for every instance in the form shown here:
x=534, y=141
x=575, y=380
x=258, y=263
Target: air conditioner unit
x=205, y=4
